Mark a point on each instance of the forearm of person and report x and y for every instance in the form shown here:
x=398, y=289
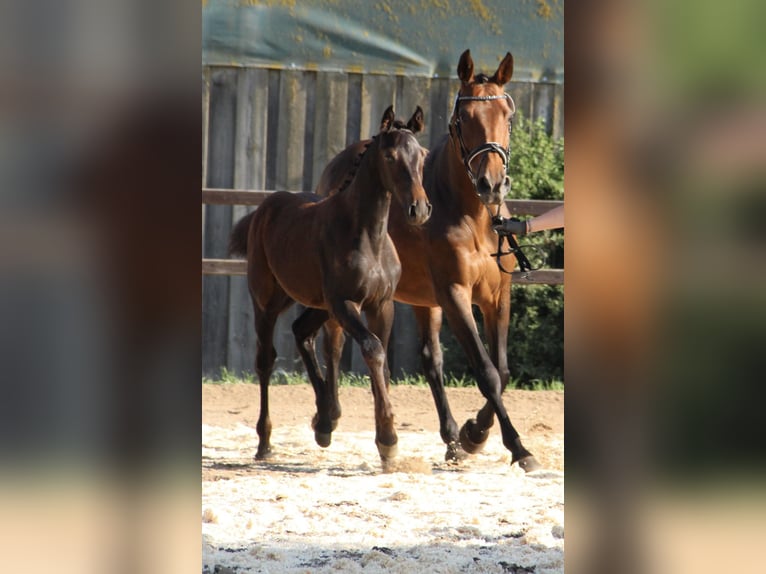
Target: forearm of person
x=552, y=219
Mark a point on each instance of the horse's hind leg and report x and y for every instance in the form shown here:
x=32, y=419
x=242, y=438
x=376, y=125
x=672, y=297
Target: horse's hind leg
x=265, y=355
x=305, y=328
x=429, y=320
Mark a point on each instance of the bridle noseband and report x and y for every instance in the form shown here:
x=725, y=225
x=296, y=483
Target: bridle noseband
x=487, y=147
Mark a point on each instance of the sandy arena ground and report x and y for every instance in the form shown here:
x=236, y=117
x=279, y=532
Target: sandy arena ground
x=313, y=510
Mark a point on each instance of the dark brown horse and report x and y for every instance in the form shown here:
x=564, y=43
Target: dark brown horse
x=335, y=257
x=446, y=264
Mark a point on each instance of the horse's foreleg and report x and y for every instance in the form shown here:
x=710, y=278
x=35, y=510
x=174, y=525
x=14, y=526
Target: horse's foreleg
x=333, y=347
x=456, y=303
x=429, y=320
x=496, y=320
x=305, y=328
x=374, y=354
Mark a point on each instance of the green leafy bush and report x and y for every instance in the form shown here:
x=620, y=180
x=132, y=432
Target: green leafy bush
x=536, y=165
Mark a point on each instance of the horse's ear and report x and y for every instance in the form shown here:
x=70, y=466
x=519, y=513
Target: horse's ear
x=465, y=68
x=416, y=123
x=388, y=119
x=504, y=71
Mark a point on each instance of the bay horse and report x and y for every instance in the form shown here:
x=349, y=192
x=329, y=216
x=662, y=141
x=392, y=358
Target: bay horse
x=447, y=264
x=335, y=257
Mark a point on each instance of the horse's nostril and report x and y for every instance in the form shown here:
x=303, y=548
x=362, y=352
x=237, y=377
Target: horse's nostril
x=429, y=208
x=483, y=185
x=412, y=212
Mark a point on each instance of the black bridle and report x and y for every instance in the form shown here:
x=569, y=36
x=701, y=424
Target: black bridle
x=505, y=153
x=469, y=155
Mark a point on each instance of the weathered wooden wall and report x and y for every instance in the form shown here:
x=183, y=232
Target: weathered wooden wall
x=277, y=129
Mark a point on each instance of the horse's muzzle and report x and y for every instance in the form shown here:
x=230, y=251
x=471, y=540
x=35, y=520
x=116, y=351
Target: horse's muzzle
x=492, y=193
x=419, y=212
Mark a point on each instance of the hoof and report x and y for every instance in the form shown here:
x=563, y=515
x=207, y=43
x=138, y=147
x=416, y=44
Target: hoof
x=472, y=440
x=323, y=438
x=264, y=453
x=528, y=463
x=315, y=424
x=387, y=452
x=455, y=452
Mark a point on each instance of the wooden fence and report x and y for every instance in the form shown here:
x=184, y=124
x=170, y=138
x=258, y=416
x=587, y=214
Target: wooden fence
x=277, y=129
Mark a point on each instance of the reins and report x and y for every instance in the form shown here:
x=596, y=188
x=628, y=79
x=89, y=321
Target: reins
x=513, y=249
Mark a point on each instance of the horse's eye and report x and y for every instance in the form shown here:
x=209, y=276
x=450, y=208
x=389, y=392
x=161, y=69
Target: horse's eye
x=390, y=158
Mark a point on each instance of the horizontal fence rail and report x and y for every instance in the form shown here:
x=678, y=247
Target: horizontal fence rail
x=255, y=197
x=533, y=207
x=239, y=267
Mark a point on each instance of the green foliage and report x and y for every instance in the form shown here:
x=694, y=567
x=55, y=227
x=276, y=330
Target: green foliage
x=227, y=377
x=280, y=377
x=536, y=333
x=536, y=165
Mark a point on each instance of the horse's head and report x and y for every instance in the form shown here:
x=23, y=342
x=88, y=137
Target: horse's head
x=401, y=163
x=480, y=127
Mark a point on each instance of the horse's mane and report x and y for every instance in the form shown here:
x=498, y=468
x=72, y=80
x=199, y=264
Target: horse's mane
x=355, y=167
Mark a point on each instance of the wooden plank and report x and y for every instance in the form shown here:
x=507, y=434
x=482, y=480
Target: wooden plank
x=378, y=92
x=272, y=127
x=251, y=129
x=442, y=99
x=531, y=207
x=310, y=88
x=215, y=292
x=521, y=92
x=224, y=267
x=205, y=120
x=542, y=104
x=239, y=267
x=354, y=109
x=404, y=346
x=234, y=196
x=290, y=133
x=539, y=277
x=205, y=135
x=410, y=93
x=558, y=111
x=330, y=114
x=249, y=172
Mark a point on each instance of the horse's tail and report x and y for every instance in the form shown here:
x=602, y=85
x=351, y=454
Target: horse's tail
x=238, y=237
